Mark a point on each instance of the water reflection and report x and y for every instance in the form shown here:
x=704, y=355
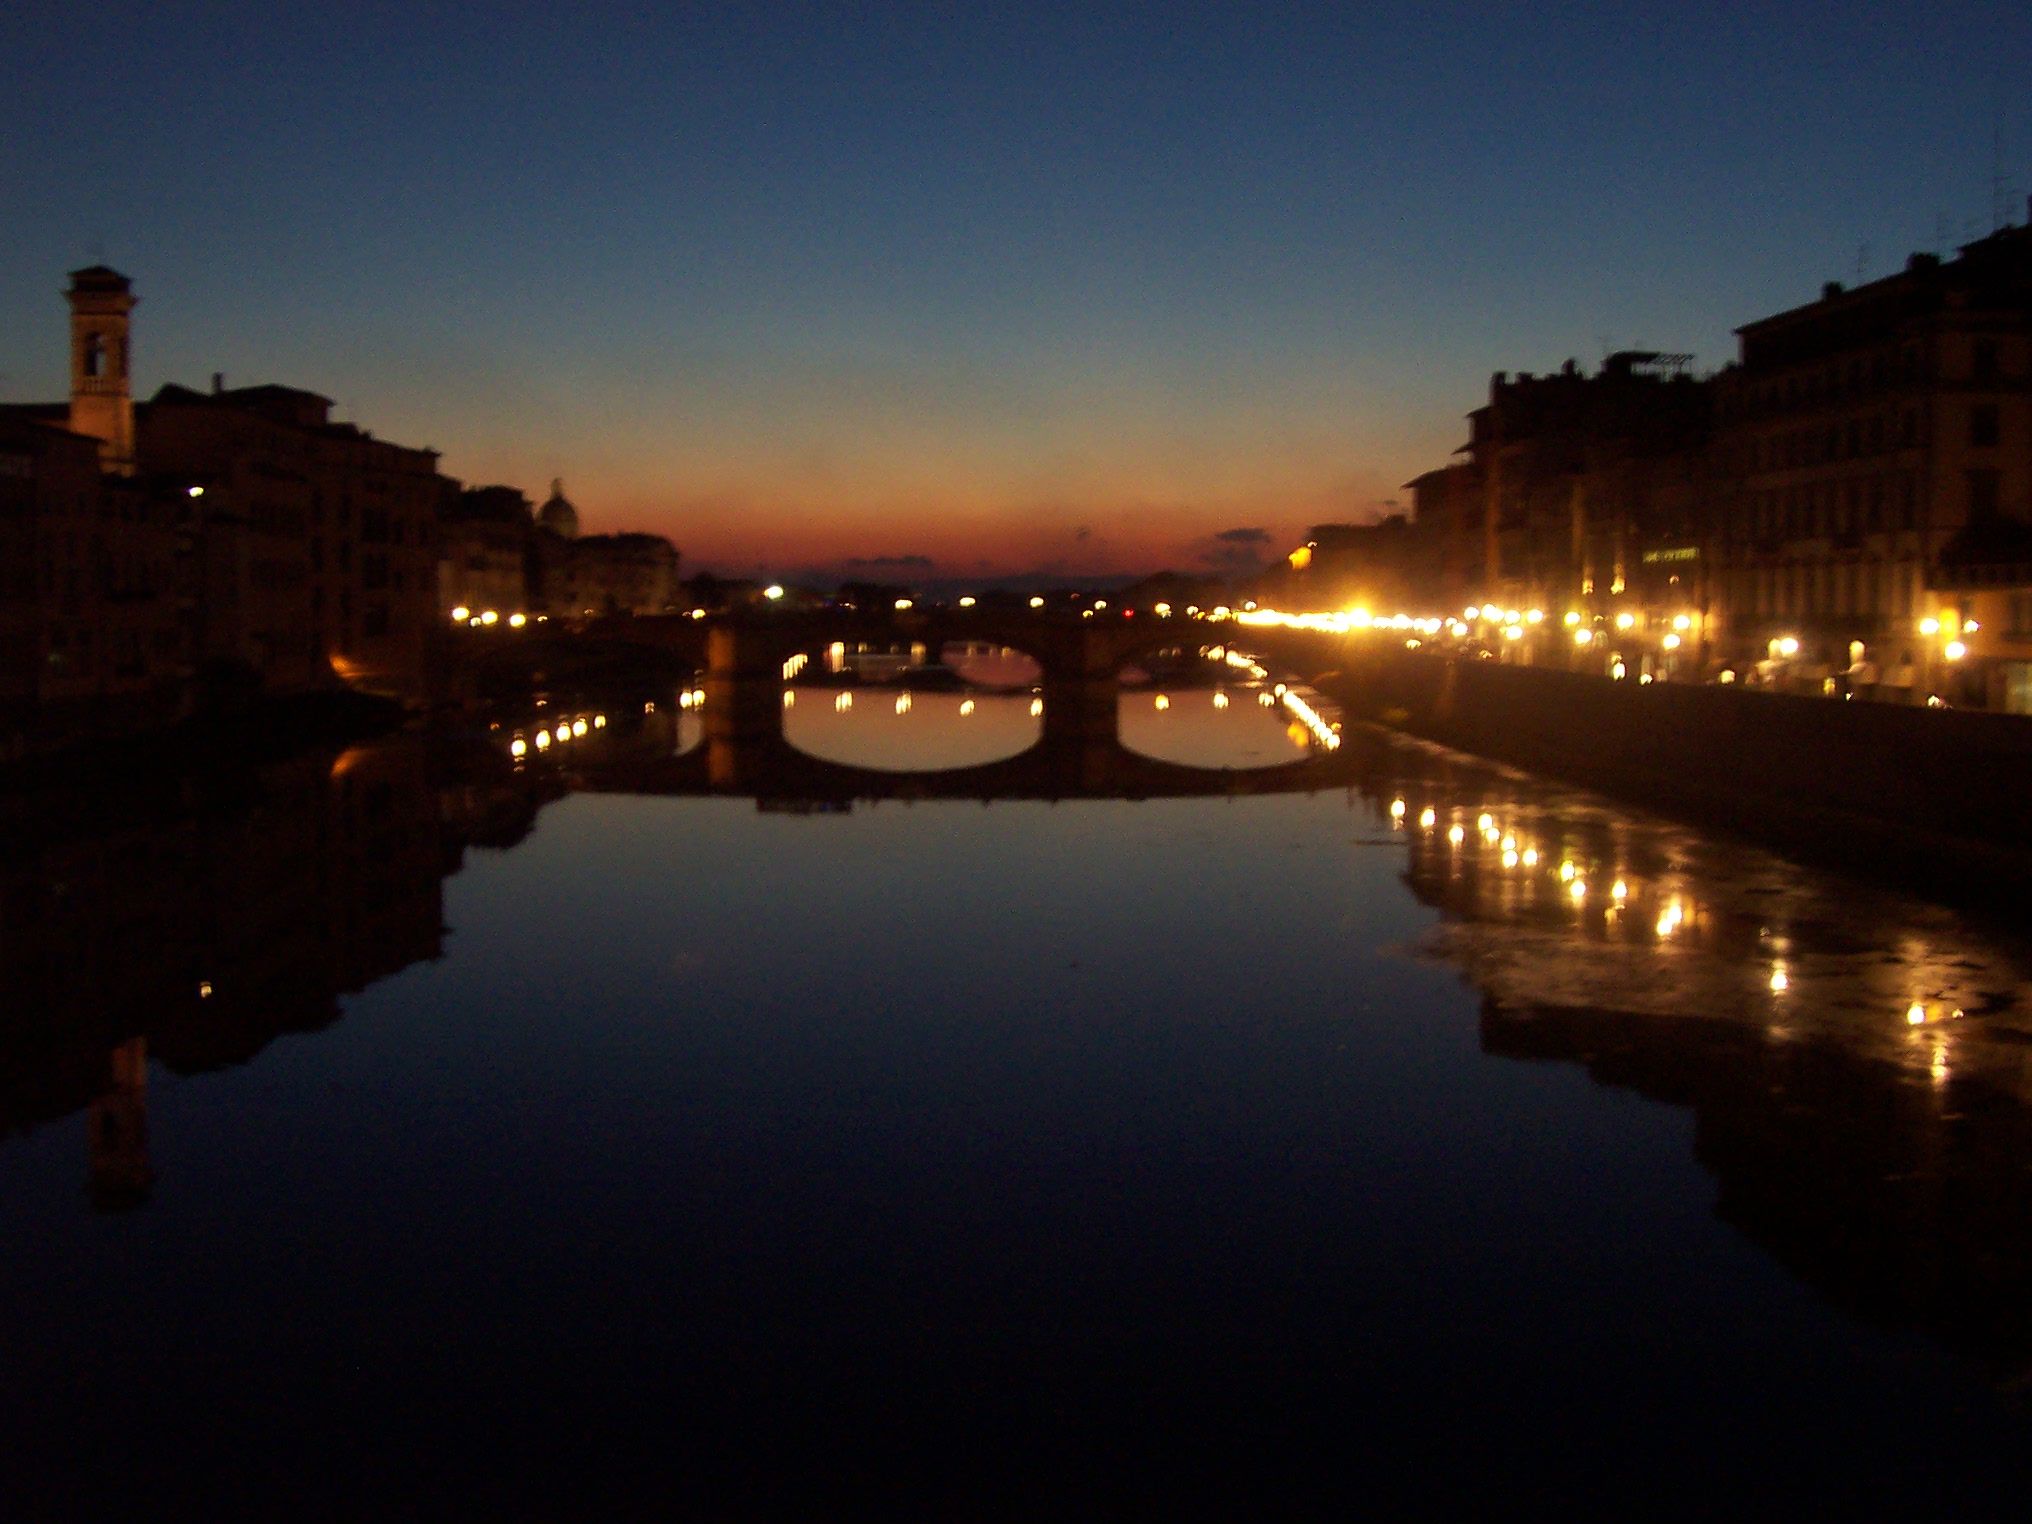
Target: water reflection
x=1860, y=1063
x=939, y=1101
x=1209, y=727
x=902, y=730
x=217, y=914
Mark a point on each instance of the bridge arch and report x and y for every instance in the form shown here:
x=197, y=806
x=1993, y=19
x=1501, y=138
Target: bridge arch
x=1081, y=658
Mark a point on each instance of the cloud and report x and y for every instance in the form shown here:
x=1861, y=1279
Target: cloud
x=892, y=563
x=1234, y=552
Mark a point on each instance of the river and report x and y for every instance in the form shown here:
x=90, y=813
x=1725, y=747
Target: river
x=415, y=1132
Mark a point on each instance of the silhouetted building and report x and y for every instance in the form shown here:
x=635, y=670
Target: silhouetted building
x=485, y=543
x=557, y=515
x=1593, y=489
x=313, y=544
x=232, y=535
x=1878, y=450
x=86, y=611
x=575, y=575
x=102, y=399
x=91, y=637
x=1448, y=505
x=1389, y=567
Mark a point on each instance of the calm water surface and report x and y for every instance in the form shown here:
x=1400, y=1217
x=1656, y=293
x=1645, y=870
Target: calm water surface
x=401, y=1134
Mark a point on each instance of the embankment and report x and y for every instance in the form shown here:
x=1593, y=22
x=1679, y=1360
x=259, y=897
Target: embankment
x=1939, y=801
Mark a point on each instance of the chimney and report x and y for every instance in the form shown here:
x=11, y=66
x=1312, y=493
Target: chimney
x=218, y=382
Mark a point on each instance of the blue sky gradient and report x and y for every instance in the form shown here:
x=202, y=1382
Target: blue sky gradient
x=1013, y=288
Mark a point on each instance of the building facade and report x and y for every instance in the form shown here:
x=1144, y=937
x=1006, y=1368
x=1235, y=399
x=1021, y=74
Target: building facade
x=202, y=542
x=1594, y=495
x=484, y=549
x=1876, y=534
x=311, y=545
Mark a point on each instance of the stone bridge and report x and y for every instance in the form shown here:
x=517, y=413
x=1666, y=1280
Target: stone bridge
x=1078, y=754
x=1080, y=658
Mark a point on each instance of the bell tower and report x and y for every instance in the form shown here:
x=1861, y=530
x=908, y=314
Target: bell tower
x=102, y=401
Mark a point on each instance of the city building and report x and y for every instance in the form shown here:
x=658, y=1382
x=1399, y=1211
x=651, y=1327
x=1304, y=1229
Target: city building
x=1448, y=504
x=88, y=605
x=578, y=576
x=312, y=556
x=1390, y=567
x=484, y=549
x=91, y=606
x=200, y=543
x=1875, y=537
x=1594, y=493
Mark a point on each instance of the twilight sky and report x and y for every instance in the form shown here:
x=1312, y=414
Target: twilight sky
x=1008, y=288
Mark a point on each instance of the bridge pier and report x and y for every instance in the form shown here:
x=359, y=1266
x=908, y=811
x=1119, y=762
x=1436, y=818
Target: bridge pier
x=743, y=716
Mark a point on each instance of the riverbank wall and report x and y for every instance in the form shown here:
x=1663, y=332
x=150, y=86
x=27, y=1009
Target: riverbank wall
x=1938, y=801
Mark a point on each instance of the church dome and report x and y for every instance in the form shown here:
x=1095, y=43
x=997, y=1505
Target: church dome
x=557, y=514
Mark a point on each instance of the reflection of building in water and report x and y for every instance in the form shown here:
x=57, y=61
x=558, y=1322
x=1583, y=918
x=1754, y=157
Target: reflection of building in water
x=117, y=1130
x=197, y=923
x=1851, y=1058
x=1903, y=1203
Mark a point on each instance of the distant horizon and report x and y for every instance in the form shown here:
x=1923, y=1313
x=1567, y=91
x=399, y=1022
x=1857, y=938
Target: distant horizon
x=1070, y=292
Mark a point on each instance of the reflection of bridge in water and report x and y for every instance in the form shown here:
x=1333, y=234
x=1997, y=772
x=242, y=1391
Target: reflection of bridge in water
x=744, y=753
x=1078, y=755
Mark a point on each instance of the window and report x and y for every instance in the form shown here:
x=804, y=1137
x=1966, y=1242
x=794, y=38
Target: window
x=2021, y=617
x=1984, y=491
x=1983, y=360
x=1983, y=429
x=94, y=359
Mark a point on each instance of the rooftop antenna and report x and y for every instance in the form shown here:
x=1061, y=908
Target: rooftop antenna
x=1862, y=263
x=1940, y=234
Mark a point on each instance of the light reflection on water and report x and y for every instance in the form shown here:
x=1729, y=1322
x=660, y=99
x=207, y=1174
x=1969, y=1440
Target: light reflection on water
x=936, y=1157
x=899, y=730
x=1208, y=727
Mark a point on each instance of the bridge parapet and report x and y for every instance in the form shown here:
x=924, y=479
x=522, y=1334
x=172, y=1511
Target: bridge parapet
x=755, y=646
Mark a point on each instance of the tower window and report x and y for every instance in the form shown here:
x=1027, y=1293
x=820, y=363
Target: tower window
x=95, y=355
